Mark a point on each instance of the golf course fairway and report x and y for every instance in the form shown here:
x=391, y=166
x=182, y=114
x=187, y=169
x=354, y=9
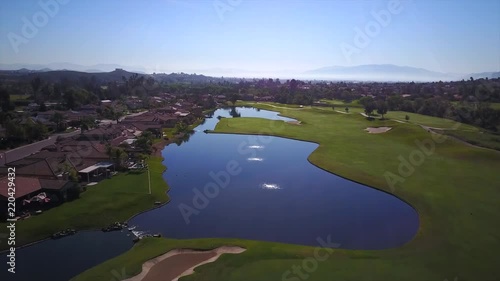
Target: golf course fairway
x=454, y=187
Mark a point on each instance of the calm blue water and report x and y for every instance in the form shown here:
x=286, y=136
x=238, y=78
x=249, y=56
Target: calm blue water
x=62, y=259
x=277, y=195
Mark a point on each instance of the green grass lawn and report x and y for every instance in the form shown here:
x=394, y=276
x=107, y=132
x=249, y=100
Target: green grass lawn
x=429, y=121
x=455, y=191
x=482, y=138
x=157, y=140
x=115, y=199
x=18, y=97
x=342, y=103
x=495, y=105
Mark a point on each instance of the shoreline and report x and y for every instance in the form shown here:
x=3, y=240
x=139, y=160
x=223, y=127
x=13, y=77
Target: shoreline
x=308, y=160
x=419, y=214
x=165, y=143
x=97, y=228
x=426, y=240
x=156, y=153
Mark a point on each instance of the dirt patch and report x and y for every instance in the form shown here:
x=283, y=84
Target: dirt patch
x=178, y=263
x=377, y=130
x=158, y=147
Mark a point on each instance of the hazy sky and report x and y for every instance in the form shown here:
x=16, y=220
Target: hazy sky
x=296, y=35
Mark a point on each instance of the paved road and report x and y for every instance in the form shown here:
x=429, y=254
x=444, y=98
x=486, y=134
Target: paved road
x=23, y=151
x=107, y=121
x=133, y=114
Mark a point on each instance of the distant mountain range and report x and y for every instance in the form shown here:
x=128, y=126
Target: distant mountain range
x=368, y=72
x=105, y=77
x=390, y=72
x=489, y=75
x=69, y=66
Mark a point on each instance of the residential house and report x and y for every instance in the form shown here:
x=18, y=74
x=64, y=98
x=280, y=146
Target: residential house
x=26, y=187
x=44, y=164
x=102, y=133
x=56, y=187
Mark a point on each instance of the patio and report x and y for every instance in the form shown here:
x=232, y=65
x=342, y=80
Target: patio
x=97, y=172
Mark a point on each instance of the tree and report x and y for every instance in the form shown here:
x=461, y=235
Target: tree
x=43, y=107
x=407, y=118
x=233, y=98
x=58, y=118
x=36, y=131
x=69, y=171
x=180, y=127
x=347, y=109
x=36, y=83
x=366, y=100
x=14, y=131
x=70, y=99
x=382, y=108
x=87, y=123
x=5, y=100
x=234, y=113
x=369, y=107
x=144, y=142
x=293, y=85
x=112, y=114
x=333, y=107
x=142, y=157
x=120, y=156
x=369, y=104
x=109, y=151
x=395, y=102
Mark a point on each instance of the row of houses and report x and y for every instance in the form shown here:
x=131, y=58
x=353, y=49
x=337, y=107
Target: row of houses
x=47, y=173
x=50, y=173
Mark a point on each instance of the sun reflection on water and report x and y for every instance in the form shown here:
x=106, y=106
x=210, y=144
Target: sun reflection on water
x=270, y=186
x=255, y=159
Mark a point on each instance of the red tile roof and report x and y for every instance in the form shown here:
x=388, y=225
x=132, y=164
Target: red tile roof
x=39, y=168
x=23, y=185
x=117, y=141
x=52, y=184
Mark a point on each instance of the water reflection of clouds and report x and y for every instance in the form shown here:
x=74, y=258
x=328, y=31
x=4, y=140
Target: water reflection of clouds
x=270, y=186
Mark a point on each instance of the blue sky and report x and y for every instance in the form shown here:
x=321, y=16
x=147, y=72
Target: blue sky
x=270, y=35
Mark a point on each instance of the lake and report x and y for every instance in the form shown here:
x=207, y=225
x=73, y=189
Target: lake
x=277, y=194
x=239, y=186
x=62, y=259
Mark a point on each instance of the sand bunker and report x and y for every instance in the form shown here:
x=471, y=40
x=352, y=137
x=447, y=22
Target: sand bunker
x=178, y=263
x=378, y=130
